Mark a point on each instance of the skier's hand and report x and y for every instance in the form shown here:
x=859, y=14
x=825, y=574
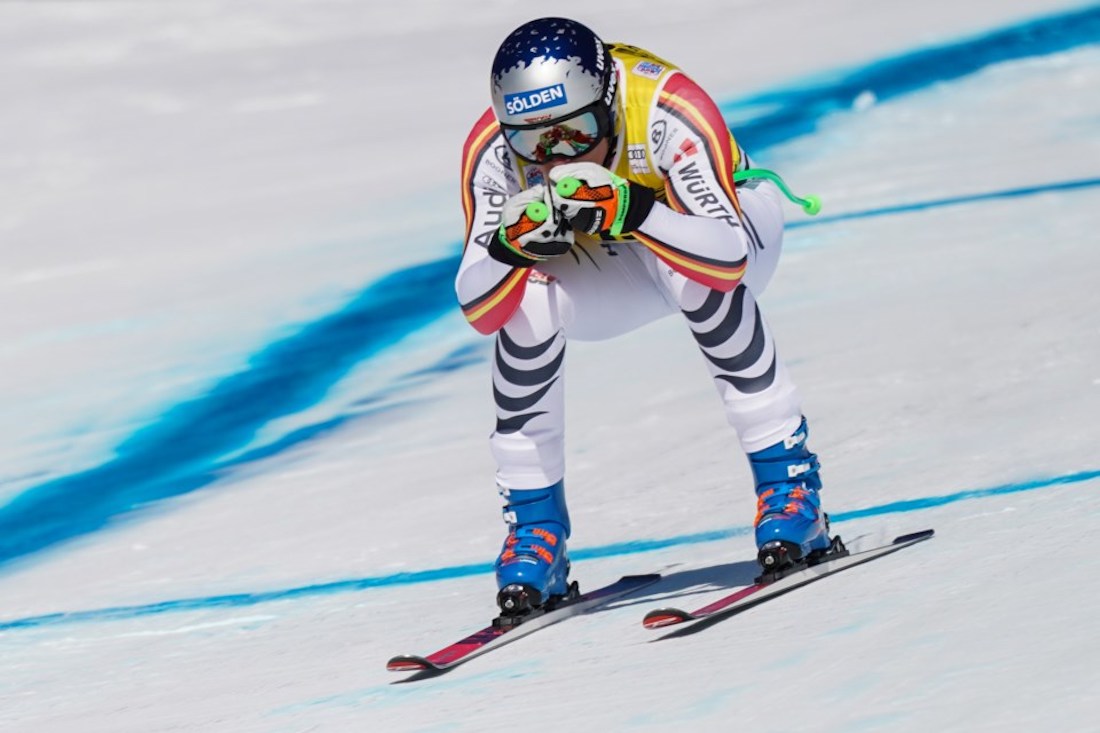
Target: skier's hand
x=597, y=201
x=531, y=230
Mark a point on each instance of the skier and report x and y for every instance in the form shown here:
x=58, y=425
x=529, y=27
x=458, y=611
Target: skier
x=599, y=194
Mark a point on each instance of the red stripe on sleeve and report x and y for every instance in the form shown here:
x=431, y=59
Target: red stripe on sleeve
x=689, y=102
x=477, y=142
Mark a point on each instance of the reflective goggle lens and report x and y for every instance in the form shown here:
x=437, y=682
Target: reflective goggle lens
x=565, y=139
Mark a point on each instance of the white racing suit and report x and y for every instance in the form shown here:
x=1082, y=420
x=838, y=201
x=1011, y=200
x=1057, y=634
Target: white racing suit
x=706, y=250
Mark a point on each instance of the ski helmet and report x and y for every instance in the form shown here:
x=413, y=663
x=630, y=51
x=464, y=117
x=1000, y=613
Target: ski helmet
x=553, y=89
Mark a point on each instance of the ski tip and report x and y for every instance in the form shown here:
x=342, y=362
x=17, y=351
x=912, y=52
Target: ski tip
x=664, y=617
x=408, y=663
x=906, y=539
x=640, y=579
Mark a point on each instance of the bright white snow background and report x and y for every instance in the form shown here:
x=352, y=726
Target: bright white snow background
x=243, y=451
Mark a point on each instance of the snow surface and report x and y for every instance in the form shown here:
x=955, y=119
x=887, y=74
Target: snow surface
x=241, y=471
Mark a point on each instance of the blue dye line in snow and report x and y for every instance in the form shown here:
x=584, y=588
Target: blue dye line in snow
x=795, y=111
x=180, y=452
x=463, y=571
x=949, y=201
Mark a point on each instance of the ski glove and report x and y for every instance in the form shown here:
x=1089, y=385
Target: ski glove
x=531, y=231
x=597, y=201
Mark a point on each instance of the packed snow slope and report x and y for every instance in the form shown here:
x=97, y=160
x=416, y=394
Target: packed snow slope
x=242, y=451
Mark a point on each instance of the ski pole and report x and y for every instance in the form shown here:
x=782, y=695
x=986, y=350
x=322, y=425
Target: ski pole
x=811, y=204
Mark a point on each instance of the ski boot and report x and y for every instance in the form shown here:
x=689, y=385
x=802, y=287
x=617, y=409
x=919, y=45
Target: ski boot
x=791, y=529
x=533, y=569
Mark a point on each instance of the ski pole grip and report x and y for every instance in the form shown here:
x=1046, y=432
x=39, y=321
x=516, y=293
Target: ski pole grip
x=566, y=187
x=537, y=212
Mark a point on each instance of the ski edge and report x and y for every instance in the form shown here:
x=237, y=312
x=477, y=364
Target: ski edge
x=663, y=617
x=624, y=586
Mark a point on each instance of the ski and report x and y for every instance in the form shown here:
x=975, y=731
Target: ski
x=494, y=636
x=766, y=588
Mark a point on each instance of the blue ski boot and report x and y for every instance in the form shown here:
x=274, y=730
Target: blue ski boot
x=790, y=527
x=533, y=570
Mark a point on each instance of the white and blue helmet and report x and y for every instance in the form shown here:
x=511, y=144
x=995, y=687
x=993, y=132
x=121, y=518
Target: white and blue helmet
x=553, y=89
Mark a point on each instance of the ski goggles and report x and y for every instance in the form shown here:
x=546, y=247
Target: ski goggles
x=564, y=138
